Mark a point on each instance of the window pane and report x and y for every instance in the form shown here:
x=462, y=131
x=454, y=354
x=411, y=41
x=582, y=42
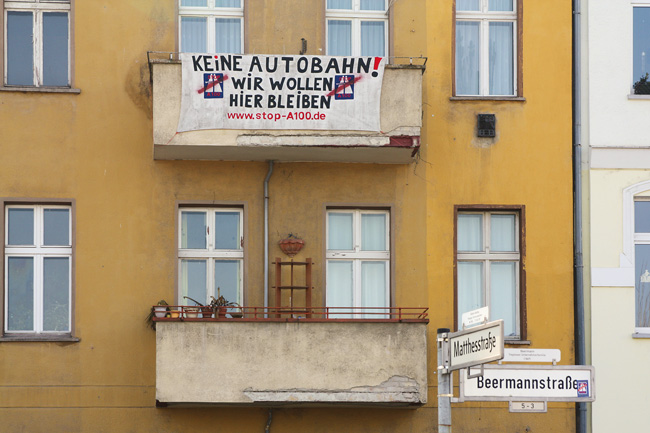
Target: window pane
x=195, y=3
x=55, y=49
x=194, y=32
x=339, y=4
x=503, y=295
x=502, y=233
x=228, y=35
x=226, y=228
x=20, y=49
x=468, y=5
x=227, y=280
x=642, y=216
x=21, y=227
x=373, y=288
x=56, y=226
x=470, y=232
x=641, y=49
x=373, y=5
x=500, y=5
x=339, y=285
x=467, y=58
x=501, y=59
x=470, y=288
x=642, y=293
x=339, y=38
x=372, y=38
x=227, y=3
x=193, y=281
x=56, y=294
x=193, y=230
x=20, y=294
x=373, y=232
x=339, y=231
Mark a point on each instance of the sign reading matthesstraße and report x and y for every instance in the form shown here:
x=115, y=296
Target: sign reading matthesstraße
x=530, y=383
x=477, y=345
x=233, y=91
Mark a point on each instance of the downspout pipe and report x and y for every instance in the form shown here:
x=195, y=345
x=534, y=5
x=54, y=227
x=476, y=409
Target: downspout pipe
x=266, y=237
x=578, y=280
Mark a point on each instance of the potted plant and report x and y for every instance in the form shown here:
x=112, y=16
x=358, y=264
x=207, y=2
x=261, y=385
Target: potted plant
x=221, y=305
x=291, y=245
x=642, y=87
x=159, y=310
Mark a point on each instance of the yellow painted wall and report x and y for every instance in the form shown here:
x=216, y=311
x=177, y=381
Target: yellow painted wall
x=96, y=148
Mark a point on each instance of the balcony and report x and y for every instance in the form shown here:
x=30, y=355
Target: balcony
x=322, y=357
x=397, y=143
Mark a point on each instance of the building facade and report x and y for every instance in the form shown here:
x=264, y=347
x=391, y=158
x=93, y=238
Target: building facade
x=616, y=102
x=110, y=206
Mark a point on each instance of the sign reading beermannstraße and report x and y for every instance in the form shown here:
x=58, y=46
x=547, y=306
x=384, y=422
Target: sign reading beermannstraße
x=236, y=91
x=475, y=346
x=571, y=383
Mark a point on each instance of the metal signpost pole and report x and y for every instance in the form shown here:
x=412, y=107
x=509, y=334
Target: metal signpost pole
x=444, y=382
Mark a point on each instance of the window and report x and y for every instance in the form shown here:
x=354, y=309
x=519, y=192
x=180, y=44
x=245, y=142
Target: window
x=486, y=47
x=37, y=269
x=488, y=266
x=210, y=254
x=37, y=43
x=357, y=27
x=211, y=26
x=358, y=260
x=641, y=50
x=642, y=262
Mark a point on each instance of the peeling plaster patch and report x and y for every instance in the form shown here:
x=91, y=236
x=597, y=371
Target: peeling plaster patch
x=397, y=389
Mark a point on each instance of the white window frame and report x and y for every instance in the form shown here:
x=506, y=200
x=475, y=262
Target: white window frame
x=356, y=16
x=37, y=7
x=211, y=12
x=357, y=256
x=488, y=257
x=211, y=254
x=38, y=252
x=485, y=17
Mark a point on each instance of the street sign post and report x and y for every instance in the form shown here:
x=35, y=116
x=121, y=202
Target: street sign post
x=573, y=383
x=475, y=346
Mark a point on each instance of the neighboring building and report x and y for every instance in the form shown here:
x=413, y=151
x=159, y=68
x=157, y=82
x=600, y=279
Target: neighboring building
x=616, y=107
x=108, y=208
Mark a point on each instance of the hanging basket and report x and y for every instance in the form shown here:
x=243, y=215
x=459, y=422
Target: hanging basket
x=291, y=245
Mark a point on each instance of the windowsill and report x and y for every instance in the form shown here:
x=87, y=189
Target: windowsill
x=517, y=342
x=55, y=338
x=640, y=335
x=633, y=96
x=39, y=89
x=488, y=98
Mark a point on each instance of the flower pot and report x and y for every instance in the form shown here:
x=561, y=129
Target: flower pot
x=175, y=314
x=291, y=246
x=192, y=312
x=160, y=311
x=206, y=312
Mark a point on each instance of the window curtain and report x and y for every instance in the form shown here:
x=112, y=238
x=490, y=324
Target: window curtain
x=339, y=231
x=503, y=295
x=55, y=49
x=373, y=42
x=373, y=288
x=339, y=286
x=500, y=5
x=339, y=38
x=470, y=233
x=339, y=4
x=56, y=294
x=373, y=232
x=641, y=46
x=502, y=233
x=470, y=288
x=501, y=58
x=193, y=230
x=373, y=5
x=468, y=5
x=194, y=31
x=20, y=60
x=226, y=228
x=193, y=281
x=194, y=3
x=227, y=3
x=467, y=58
x=227, y=35
x=642, y=289
x=227, y=279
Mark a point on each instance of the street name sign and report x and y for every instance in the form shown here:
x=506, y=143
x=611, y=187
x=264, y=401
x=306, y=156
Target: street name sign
x=532, y=355
x=530, y=383
x=475, y=317
x=475, y=346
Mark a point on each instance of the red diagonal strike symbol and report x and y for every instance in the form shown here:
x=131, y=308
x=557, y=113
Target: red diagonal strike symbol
x=211, y=85
x=343, y=86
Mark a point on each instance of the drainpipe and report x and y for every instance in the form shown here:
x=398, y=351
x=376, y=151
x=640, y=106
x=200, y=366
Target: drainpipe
x=266, y=238
x=578, y=281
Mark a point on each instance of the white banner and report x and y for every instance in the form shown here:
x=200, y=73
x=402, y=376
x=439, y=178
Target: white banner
x=232, y=91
